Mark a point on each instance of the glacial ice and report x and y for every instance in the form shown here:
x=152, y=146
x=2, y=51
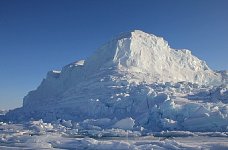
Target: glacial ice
x=137, y=76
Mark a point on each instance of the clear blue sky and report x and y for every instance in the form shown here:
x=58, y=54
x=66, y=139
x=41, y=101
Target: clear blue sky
x=41, y=35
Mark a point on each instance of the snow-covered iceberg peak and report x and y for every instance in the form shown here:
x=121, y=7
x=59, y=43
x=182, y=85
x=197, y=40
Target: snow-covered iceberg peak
x=139, y=49
x=131, y=49
x=138, y=52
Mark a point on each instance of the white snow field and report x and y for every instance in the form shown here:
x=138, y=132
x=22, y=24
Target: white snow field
x=56, y=135
x=134, y=92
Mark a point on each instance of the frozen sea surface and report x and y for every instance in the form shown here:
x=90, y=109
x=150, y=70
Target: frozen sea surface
x=40, y=135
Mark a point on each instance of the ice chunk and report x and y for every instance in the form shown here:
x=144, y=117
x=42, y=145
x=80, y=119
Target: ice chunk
x=126, y=124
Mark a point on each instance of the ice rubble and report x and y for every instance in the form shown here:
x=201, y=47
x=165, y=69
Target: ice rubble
x=136, y=75
x=41, y=135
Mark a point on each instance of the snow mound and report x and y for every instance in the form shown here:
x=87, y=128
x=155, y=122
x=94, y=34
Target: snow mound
x=136, y=76
x=126, y=124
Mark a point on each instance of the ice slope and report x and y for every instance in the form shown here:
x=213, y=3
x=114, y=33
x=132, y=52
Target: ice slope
x=135, y=75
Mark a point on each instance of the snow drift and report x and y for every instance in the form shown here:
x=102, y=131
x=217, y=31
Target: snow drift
x=136, y=75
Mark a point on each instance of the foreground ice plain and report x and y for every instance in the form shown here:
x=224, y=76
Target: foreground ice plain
x=58, y=135
x=134, y=85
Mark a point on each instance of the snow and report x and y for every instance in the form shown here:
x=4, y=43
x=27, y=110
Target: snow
x=136, y=75
x=55, y=136
x=126, y=124
x=65, y=123
x=3, y=112
x=133, y=86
